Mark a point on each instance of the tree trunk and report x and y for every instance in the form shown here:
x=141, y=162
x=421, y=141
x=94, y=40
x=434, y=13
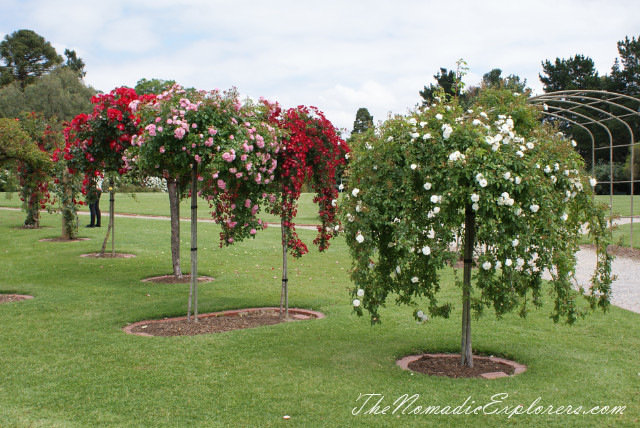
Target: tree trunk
x=174, y=208
x=469, y=244
x=193, y=285
x=110, y=228
x=284, y=294
x=68, y=208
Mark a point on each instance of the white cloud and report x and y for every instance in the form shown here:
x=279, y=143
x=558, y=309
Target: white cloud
x=336, y=55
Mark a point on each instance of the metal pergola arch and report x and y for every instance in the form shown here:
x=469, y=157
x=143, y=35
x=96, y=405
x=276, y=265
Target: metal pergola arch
x=585, y=108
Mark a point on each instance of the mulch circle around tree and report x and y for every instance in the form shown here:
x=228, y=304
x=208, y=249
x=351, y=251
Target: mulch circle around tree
x=109, y=255
x=5, y=298
x=448, y=365
x=218, y=322
x=61, y=239
x=170, y=279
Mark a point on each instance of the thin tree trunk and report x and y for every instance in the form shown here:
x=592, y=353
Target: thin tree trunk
x=174, y=208
x=193, y=285
x=69, y=222
x=469, y=244
x=284, y=294
x=110, y=228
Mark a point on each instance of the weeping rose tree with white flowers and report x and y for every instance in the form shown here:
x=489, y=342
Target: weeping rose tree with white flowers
x=513, y=189
x=225, y=148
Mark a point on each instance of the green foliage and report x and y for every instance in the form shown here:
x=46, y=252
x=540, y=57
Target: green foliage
x=364, y=121
x=74, y=63
x=446, y=84
x=153, y=86
x=59, y=94
x=27, y=56
x=413, y=180
x=17, y=146
x=578, y=72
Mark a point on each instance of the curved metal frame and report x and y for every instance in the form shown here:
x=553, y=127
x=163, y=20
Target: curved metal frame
x=563, y=105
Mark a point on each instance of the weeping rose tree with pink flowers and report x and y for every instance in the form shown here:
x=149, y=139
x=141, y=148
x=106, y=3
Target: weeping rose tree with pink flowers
x=312, y=150
x=224, y=147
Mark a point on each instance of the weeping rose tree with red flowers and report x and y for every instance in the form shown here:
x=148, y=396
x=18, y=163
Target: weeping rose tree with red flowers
x=224, y=147
x=35, y=178
x=96, y=143
x=312, y=150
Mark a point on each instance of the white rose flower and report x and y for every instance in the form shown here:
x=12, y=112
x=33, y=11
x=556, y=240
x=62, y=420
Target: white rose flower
x=360, y=292
x=484, y=115
x=355, y=192
x=356, y=302
x=412, y=121
x=475, y=206
x=426, y=250
x=475, y=197
x=507, y=175
x=515, y=242
x=436, y=210
x=420, y=314
x=435, y=199
x=530, y=146
x=423, y=124
x=439, y=116
x=483, y=183
x=534, y=208
x=426, y=136
x=564, y=217
x=430, y=235
x=415, y=280
x=476, y=122
x=341, y=186
x=397, y=269
x=427, y=186
x=508, y=262
x=518, y=180
x=334, y=202
x=414, y=166
x=486, y=265
x=359, y=238
x=593, y=182
x=520, y=262
x=414, y=135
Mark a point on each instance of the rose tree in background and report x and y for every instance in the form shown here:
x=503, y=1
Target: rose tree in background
x=312, y=150
x=97, y=143
x=513, y=189
x=224, y=147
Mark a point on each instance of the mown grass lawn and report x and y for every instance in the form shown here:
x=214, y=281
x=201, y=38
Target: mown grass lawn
x=65, y=361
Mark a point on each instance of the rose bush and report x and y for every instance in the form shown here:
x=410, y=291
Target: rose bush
x=519, y=185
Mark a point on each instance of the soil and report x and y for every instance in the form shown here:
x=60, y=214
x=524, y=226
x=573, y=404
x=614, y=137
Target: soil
x=170, y=279
x=616, y=250
x=5, y=298
x=218, y=322
x=108, y=255
x=61, y=239
x=449, y=366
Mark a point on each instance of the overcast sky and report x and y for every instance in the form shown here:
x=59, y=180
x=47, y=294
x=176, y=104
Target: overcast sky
x=337, y=55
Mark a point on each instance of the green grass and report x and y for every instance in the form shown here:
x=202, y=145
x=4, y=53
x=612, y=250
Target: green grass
x=622, y=236
x=622, y=204
x=65, y=361
x=158, y=204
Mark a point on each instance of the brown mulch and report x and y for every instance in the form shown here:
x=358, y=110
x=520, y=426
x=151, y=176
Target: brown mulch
x=61, y=239
x=214, y=324
x=449, y=366
x=617, y=250
x=170, y=279
x=108, y=255
x=5, y=298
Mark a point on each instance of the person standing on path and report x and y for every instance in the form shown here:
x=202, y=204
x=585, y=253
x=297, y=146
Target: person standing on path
x=93, y=200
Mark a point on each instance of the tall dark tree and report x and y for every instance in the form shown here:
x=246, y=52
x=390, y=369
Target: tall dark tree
x=26, y=57
x=74, y=63
x=364, y=121
x=625, y=73
x=578, y=72
x=446, y=82
x=494, y=79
